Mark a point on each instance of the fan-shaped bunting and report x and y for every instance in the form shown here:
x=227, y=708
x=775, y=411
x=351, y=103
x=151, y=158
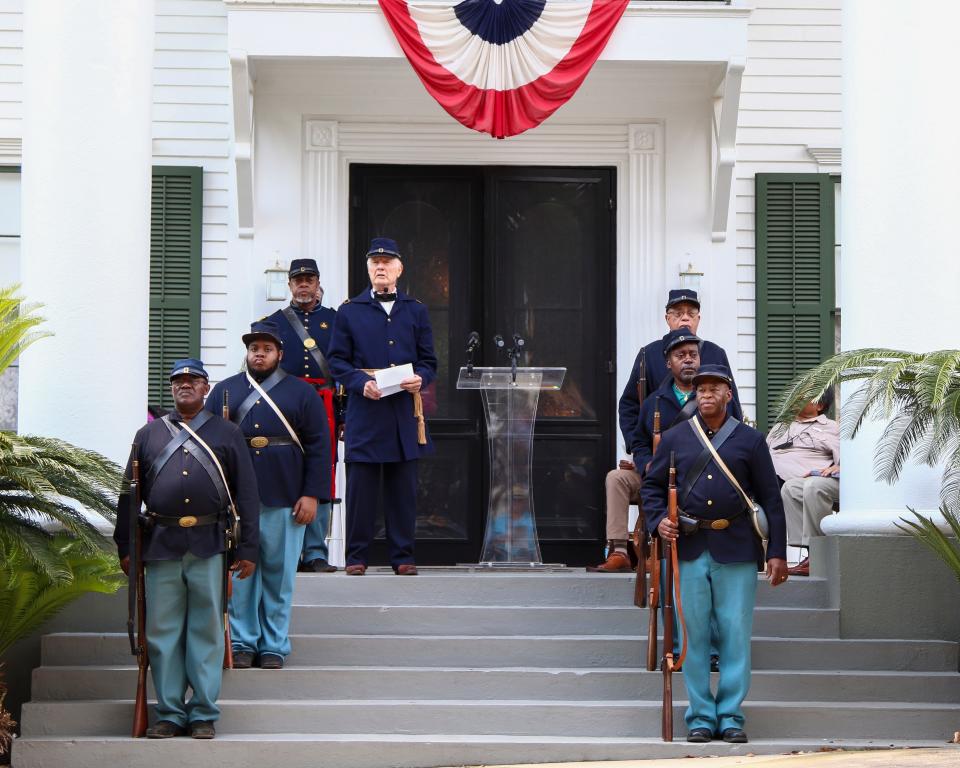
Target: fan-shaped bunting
x=502, y=66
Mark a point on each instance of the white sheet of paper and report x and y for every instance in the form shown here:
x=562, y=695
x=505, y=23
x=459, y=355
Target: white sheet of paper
x=388, y=379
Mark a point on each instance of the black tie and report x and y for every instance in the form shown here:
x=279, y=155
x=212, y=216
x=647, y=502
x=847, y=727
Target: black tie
x=385, y=296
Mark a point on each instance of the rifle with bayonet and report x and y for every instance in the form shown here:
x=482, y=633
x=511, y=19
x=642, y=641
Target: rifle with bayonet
x=671, y=590
x=136, y=600
x=653, y=565
x=227, y=564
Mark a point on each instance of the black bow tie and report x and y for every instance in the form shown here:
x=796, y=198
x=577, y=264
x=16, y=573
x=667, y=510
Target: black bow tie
x=385, y=296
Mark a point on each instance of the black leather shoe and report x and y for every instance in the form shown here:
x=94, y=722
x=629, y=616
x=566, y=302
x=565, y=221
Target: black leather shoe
x=714, y=663
x=164, y=729
x=734, y=736
x=271, y=661
x=318, y=566
x=242, y=659
x=202, y=729
x=699, y=735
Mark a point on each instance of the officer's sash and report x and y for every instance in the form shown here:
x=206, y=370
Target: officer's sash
x=309, y=344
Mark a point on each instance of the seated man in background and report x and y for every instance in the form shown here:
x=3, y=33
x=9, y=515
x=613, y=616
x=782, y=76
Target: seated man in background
x=806, y=456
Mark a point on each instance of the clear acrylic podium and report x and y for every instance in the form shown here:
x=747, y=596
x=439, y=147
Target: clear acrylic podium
x=510, y=538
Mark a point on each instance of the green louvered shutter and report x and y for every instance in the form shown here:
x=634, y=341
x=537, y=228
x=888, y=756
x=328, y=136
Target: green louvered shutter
x=175, y=243
x=795, y=280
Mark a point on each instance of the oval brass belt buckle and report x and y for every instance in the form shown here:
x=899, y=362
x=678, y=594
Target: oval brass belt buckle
x=719, y=525
x=188, y=521
x=309, y=343
x=259, y=442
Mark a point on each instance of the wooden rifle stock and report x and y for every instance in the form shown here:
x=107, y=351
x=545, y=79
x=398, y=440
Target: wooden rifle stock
x=656, y=428
x=653, y=602
x=671, y=588
x=640, y=542
x=139, y=728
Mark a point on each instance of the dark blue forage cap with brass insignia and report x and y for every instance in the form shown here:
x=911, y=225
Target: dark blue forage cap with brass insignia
x=383, y=246
x=680, y=336
x=263, y=329
x=679, y=295
x=713, y=371
x=189, y=366
x=303, y=267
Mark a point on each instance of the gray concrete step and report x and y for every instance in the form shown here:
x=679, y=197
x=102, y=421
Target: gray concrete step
x=74, y=649
x=567, y=588
x=401, y=751
x=482, y=621
x=857, y=720
x=425, y=683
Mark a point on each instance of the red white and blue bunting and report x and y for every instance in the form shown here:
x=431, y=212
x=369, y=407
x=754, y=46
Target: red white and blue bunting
x=502, y=66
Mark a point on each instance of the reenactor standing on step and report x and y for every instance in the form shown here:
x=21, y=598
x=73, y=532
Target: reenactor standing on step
x=182, y=487
x=305, y=328
x=285, y=427
x=719, y=551
x=382, y=327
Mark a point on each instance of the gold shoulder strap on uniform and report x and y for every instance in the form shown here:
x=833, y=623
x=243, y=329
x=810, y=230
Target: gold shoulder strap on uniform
x=216, y=462
x=276, y=410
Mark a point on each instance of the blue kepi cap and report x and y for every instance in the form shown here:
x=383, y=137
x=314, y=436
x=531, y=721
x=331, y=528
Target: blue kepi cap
x=303, y=267
x=189, y=366
x=680, y=295
x=680, y=336
x=383, y=246
x=713, y=371
x=263, y=329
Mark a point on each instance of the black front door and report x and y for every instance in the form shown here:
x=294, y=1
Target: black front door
x=504, y=251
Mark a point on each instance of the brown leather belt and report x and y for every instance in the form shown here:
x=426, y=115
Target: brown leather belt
x=185, y=521
x=262, y=441
x=715, y=524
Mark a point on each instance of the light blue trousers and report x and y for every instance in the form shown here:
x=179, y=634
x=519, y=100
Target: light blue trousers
x=185, y=636
x=726, y=593
x=315, y=535
x=677, y=630
x=260, y=606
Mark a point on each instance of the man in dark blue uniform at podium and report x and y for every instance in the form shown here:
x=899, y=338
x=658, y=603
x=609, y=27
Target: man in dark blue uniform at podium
x=378, y=328
x=305, y=327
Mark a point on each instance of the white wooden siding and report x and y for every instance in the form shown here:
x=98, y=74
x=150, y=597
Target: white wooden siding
x=790, y=100
x=11, y=73
x=191, y=126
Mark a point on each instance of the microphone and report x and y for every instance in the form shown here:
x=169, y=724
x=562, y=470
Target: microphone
x=473, y=342
x=498, y=341
x=518, y=342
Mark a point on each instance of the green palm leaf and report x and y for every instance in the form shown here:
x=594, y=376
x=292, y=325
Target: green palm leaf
x=28, y=596
x=929, y=534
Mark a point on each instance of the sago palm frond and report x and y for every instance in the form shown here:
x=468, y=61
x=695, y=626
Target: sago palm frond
x=28, y=597
x=899, y=438
x=50, y=482
x=928, y=533
x=939, y=375
x=18, y=323
x=918, y=395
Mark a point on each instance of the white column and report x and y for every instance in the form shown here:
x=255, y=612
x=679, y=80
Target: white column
x=86, y=218
x=900, y=271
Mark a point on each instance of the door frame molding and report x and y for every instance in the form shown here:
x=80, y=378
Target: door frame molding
x=635, y=149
